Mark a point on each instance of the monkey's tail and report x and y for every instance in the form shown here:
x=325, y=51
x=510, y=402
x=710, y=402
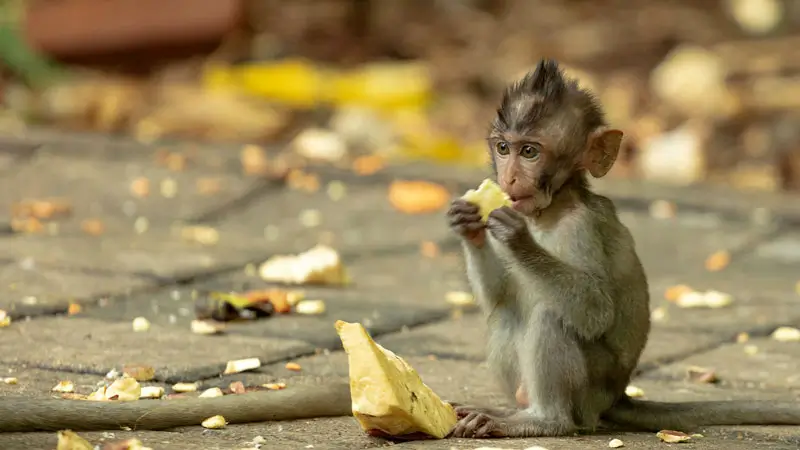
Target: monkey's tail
x=655, y=416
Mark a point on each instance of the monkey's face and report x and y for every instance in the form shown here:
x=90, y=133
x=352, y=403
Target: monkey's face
x=528, y=172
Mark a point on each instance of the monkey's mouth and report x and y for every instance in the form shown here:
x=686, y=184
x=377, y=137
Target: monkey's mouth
x=518, y=201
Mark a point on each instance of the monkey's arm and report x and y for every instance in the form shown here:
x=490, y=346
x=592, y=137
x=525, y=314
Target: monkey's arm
x=485, y=274
x=299, y=402
x=582, y=298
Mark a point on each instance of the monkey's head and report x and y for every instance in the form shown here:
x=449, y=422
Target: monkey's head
x=548, y=130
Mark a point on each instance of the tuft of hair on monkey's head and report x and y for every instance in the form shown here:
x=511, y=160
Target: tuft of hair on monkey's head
x=548, y=130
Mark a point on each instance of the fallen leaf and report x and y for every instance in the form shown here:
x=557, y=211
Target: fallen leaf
x=275, y=386
x=310, y=218
x=46, y=209
x=214, y=422
x=208, y=186
x=301, y=181
x=319, y=144
x=718, y=261
x=368, y=165
x=319, y=265
x=151, y=392
x=28, y=225
x=662, y=209
x=168, y=188
x=73, y=308
x=200, y=234
x=616, y=443
x=429, y=249
x=69, y=440
x=708, y=299
x=125, y=389
x=293, y=366
x=673, y=293
x=741, y=338
x=141, y=324
x=459, y=298
x=336, y=190
x=139, y=372
x=786, y=334
x=310, y=307
x=237, y=387
x=185, y=387
x=279, y=299
x=634, y=391
x=98, y=395
x=140, y=187
x=175, y=161
x=5, y=319
x=207, y=327
x=212, y=392
x=254, y=160
x=701, y=375
x=673, y=437
x=417, y=197
x=241, y=365
x=658, y=314
x=10, y=380
x=127, y=444
x=64, y=387
x=93, y=227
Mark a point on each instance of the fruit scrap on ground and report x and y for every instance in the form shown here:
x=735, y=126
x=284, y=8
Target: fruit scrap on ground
x=389, y=398
x=253, y=304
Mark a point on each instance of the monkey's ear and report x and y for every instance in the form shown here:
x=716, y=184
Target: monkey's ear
x=602, y=151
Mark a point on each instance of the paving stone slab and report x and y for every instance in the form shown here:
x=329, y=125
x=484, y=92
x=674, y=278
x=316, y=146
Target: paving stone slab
x=389, y=292
x=675, y=247
x=94, y=346
x=29, y=290
x=464, y=338
x=158, y=254
x=362, y=221
x=774, y=365
x=98, y=188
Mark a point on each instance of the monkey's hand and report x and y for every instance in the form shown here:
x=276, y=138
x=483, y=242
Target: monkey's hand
x=465, y=219
x=509, y=228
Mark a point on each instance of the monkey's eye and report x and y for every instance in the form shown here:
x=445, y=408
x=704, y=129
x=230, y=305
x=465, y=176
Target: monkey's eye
x=502, y=148
x=529, y=151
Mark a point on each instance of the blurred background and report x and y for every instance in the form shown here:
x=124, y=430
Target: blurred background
x=706, y=90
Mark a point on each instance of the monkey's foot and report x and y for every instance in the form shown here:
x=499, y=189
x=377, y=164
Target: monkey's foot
x=477, y=424
x=464, y=410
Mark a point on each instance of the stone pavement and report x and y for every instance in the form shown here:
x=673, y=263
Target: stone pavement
x=398, y=292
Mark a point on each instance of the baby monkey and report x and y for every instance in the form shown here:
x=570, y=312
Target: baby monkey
x=557, y=276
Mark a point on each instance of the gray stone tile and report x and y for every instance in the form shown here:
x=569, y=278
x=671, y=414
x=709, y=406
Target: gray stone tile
x=34, y=290
x=94, y=346
x=389, y=292
x=775, y=365
x=363, y=221
x=98, y=188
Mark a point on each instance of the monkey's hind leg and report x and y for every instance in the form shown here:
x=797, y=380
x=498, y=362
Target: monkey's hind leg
x=553, y=373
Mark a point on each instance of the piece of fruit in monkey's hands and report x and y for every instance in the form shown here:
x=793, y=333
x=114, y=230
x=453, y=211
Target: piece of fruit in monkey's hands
x=488, y=196
x=388, y=396
x=319, y=265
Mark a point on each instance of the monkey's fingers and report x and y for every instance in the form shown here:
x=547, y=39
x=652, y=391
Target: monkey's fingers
x=506, y=215
x=460, y=205
x=462, y=218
